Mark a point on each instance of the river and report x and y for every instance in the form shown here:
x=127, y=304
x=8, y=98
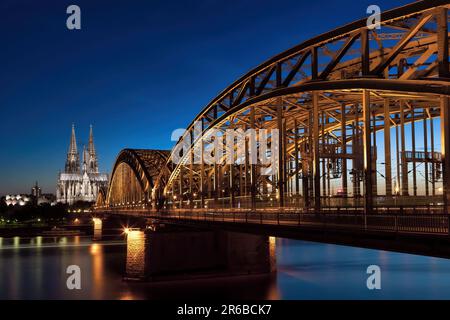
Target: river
x=35, y=268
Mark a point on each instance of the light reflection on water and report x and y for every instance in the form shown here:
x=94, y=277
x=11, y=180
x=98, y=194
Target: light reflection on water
x=34, y=268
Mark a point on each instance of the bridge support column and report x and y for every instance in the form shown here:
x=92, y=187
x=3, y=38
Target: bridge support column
x=281, y=158
x=425, y=147
x=217, y=186
x=374, y=157
x=202, y=180
x=231, y=177
x=316, y=155
x=387, y=148
x=230, y=161
x=413, y=142
x=404, y=164
x=191, y=178
x=397, y=157
x=344, y=150
x=368, y=190
x=253, y=159
x=241, y=183
x=445, y=146
x=181, y=187
x=307, y=164
x=324, y=160
x=296, y=157
x=246, y=174
x=356, y=148
x=433, y=166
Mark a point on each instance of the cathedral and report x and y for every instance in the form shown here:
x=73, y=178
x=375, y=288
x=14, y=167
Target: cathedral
x=80, y=181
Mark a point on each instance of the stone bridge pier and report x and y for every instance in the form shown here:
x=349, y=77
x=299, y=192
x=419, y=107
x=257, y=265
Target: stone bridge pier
x=161, y=252
x=98, y=229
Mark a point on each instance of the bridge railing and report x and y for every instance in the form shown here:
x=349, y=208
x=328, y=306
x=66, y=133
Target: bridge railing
x=407, y=219
x=411, y=220
x=297, y=201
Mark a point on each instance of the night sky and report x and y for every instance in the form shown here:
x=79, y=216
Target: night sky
x=136, y=70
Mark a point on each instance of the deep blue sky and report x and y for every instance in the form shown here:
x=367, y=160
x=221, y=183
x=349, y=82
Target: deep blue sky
x=137, y=70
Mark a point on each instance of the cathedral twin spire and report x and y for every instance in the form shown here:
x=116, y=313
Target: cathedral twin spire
x=73, y=142
x=90, y=164
x=73, y=158
x=81, y=180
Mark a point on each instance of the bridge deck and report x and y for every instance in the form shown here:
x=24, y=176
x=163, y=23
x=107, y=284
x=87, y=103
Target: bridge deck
x=417, y=220
x=412, y=230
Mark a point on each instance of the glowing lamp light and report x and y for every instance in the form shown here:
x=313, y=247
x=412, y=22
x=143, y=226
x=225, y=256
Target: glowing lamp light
x=95, y=249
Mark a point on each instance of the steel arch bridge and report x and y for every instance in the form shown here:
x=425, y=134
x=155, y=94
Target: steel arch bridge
x=363, y=119
x=133, y=178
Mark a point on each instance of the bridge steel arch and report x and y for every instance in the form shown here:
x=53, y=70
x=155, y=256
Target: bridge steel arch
x=101, y=197
x=349, y=105
x=132, y=178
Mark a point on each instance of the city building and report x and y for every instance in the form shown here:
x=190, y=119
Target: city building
x=46, y=198
x=80, y=181
x=17, y=200
x=35, y=198
x=36, y=191
x=41, y=198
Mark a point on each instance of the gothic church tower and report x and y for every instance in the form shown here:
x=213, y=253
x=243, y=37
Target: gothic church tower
x=73, y=157
x=92, y=161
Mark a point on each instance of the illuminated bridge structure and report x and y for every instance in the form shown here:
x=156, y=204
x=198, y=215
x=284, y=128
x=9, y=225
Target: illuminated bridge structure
x=364, y=134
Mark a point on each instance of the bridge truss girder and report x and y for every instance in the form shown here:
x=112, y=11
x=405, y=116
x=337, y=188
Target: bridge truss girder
x=338, y=87
x=343, y=102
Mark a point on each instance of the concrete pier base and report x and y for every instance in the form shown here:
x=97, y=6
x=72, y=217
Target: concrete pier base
x=170, y=254
x=98, y=229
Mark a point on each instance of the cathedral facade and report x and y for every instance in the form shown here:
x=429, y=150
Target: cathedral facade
x=81, y=180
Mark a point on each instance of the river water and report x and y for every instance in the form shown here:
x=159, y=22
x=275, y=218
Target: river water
x=35, y=268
